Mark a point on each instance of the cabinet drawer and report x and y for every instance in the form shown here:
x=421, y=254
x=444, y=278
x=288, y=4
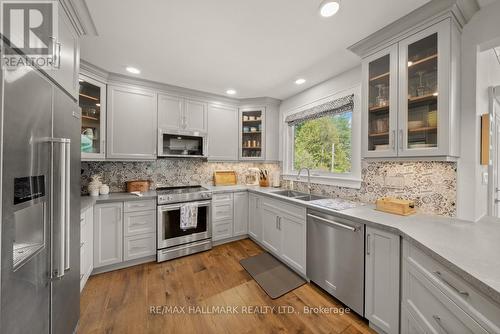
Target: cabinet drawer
x=436, y=312
x=479, y=307
x=133, y=206
x=139, y=222
x=138, y=246
x=222, y=211
x=222, y=197
x=222, y=230
x=284, y=208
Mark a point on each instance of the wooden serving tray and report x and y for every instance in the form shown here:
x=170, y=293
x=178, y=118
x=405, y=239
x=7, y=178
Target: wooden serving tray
x=225, y=178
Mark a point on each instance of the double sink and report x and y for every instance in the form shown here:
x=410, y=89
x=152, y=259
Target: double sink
x=298, y=195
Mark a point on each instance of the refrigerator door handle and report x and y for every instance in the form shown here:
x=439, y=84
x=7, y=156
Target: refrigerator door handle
x=67, y=210
x=62, y=257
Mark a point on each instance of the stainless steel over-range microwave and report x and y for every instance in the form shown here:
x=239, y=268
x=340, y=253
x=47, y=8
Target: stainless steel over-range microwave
x=182, y=144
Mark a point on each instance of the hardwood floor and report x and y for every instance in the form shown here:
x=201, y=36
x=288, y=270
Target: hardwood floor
x=122, y=301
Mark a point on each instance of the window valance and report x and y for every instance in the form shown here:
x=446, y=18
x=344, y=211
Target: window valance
x=335, y=107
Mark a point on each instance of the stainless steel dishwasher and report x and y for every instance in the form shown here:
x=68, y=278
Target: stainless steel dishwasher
x=335, y=257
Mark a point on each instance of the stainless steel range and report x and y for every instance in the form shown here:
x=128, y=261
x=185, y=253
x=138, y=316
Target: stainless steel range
x=173, y=241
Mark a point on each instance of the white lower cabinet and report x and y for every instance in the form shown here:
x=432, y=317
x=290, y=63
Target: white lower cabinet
x=382, y=280
x=293, y=243
x=435, y=300
x=138, y=246
x=254, y=217
x=222, y=229
x=108, y=234
x=86, y=245
x=122, y=233
x=240, y=213
x=141, y=222
x=284, y=232
x=271, y=235
x=229, y=216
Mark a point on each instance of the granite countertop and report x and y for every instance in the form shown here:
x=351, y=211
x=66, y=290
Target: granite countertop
x=87, y=201
x=468, y=249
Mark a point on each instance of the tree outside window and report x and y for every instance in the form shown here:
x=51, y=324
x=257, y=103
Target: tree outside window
x=324, y=144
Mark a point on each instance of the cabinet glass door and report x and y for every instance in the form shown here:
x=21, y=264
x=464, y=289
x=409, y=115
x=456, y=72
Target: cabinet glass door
x=422, y=84
x=93, y=104
x=380, y=73
x=252, y=129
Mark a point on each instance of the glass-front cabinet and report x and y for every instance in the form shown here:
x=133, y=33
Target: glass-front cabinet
x=252, y=122
x=409, y=106
x=425, y=64
x=380, y=73
x=92, y=101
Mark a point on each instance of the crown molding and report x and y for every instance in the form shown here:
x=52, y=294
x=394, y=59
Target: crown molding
x=100, y=74
x=461, y=11
x=80, y=17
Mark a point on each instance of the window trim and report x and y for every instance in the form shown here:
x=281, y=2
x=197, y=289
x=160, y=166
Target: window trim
x=348, y=180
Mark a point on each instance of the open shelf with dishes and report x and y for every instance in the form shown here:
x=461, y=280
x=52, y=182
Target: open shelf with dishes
x=251, y=134
x=92, y=102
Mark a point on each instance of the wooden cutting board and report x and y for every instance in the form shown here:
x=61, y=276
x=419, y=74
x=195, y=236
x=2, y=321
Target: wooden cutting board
x=225, y=178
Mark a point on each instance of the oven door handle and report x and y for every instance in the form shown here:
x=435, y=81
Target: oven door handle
x=169, y=207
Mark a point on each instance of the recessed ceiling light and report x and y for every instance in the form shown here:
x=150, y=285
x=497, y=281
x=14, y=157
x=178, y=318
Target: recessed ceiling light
x=300, y=81
x=328, y=8
x=230, y=92
x=133, y=70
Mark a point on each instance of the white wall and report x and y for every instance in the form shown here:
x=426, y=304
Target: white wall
x=344, y=81
x=481, y=33
x=337, y=84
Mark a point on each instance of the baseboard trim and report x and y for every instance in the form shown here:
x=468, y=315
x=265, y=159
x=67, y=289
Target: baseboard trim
x=227, y=240
x=122, y=265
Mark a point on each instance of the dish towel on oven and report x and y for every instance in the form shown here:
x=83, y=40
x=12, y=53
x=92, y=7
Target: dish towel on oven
x=189, y=216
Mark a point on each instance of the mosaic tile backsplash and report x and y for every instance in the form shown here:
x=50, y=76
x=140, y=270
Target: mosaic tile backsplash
x=432, y=185
x=172, y=172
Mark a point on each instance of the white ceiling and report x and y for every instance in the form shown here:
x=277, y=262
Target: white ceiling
x=258, y=47
x=483, y=3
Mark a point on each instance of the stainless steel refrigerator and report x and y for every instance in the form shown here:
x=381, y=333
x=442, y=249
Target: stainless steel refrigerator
x=40, y=221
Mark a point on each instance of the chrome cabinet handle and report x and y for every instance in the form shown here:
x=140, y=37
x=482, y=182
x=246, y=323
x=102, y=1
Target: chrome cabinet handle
x=393, y=140
x=368, y=244
x=331, y=222
x=401, y=139
x=440, y=323
x=279, y=223
x=461, y=292
x=276, y=222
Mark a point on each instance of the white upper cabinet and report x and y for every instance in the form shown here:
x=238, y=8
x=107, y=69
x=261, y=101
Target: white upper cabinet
x=195, y=115
x=425, y=101
x=169, y=111
x=380, y=103
x=131, y=127
x=66, y=55
x=410, y=100
x=179, y=113
x=222, y=133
